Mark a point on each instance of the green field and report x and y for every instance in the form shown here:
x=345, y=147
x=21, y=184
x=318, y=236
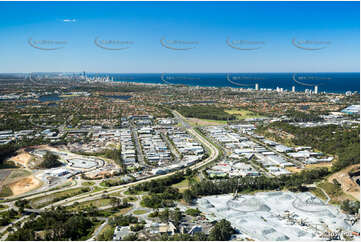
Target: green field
x=3, y=206
x=242, y=114
x=122, y=211
x=106, y=233
x=98, y=189
x=117, y=194
x=43, y=201
x=318, y=193
x=88, y=183
x=183, y=185
x=5, y=191
x=96, y=203
x=334, y=192
x=139, y=212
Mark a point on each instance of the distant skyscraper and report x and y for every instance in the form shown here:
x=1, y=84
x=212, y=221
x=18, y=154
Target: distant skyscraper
x=316, y=89
x=293, y=89
x=257, y=87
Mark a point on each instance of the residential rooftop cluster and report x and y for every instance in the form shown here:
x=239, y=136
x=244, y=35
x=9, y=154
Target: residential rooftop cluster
x=154, y=147
x=7, y=136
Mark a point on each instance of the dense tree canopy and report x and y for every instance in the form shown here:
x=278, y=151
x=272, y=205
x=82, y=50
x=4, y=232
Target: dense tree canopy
x=330, y=139
x=248, y=184
x=221, y=231
x=205, y=112
x=50, y=160
x=56, y=224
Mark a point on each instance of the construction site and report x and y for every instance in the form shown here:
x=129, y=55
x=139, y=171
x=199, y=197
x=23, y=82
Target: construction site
x=281, y=216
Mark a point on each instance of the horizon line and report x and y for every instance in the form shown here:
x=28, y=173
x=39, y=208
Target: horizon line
x=174, y=72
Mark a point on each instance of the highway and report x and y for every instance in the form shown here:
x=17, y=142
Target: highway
x=214, y=153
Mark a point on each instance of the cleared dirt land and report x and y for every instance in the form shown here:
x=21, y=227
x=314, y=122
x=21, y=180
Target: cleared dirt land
x=205, y=122
x=323, y=164
x=348, y=185
x=24, y=185
x=11, y=177
x=22, y=158
x=310, y=166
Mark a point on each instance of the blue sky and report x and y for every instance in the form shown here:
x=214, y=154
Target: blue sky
x=203, y=26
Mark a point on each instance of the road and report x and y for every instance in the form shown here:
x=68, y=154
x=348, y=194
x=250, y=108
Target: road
x=181, y=119
x=170, y=146
x=138, y=147
x=214, y=153
x=39, y=125
x=98, y=230
x=2, y=230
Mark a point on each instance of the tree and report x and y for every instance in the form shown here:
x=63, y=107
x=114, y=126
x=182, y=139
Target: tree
x=351, y=207
x=22, y=203
x=176, y=216
x=115, y=202
x=50, y=160
x=193, y=212
x=137, y=227
x=188, y=196
x=200, y=236
x=125, y=203
x=221, y=231
x=130, y=237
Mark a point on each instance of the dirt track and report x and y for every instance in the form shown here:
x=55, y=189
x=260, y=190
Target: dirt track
x=348, y=185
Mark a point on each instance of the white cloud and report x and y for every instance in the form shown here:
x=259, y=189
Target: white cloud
x=69, y=20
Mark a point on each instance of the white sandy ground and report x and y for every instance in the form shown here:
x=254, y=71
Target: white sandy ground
x=260, y=216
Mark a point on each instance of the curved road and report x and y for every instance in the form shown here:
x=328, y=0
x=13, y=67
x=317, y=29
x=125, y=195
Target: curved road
x=214, y=152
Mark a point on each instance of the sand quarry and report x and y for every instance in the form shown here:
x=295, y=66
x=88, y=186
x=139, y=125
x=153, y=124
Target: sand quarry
x=24, y=159
x=19, y=180
x=24, y=185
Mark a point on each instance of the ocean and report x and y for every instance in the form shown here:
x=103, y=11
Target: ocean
x=326, y=82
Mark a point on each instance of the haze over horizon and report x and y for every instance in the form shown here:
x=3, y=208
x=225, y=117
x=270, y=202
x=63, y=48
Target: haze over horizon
x=180, y=37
